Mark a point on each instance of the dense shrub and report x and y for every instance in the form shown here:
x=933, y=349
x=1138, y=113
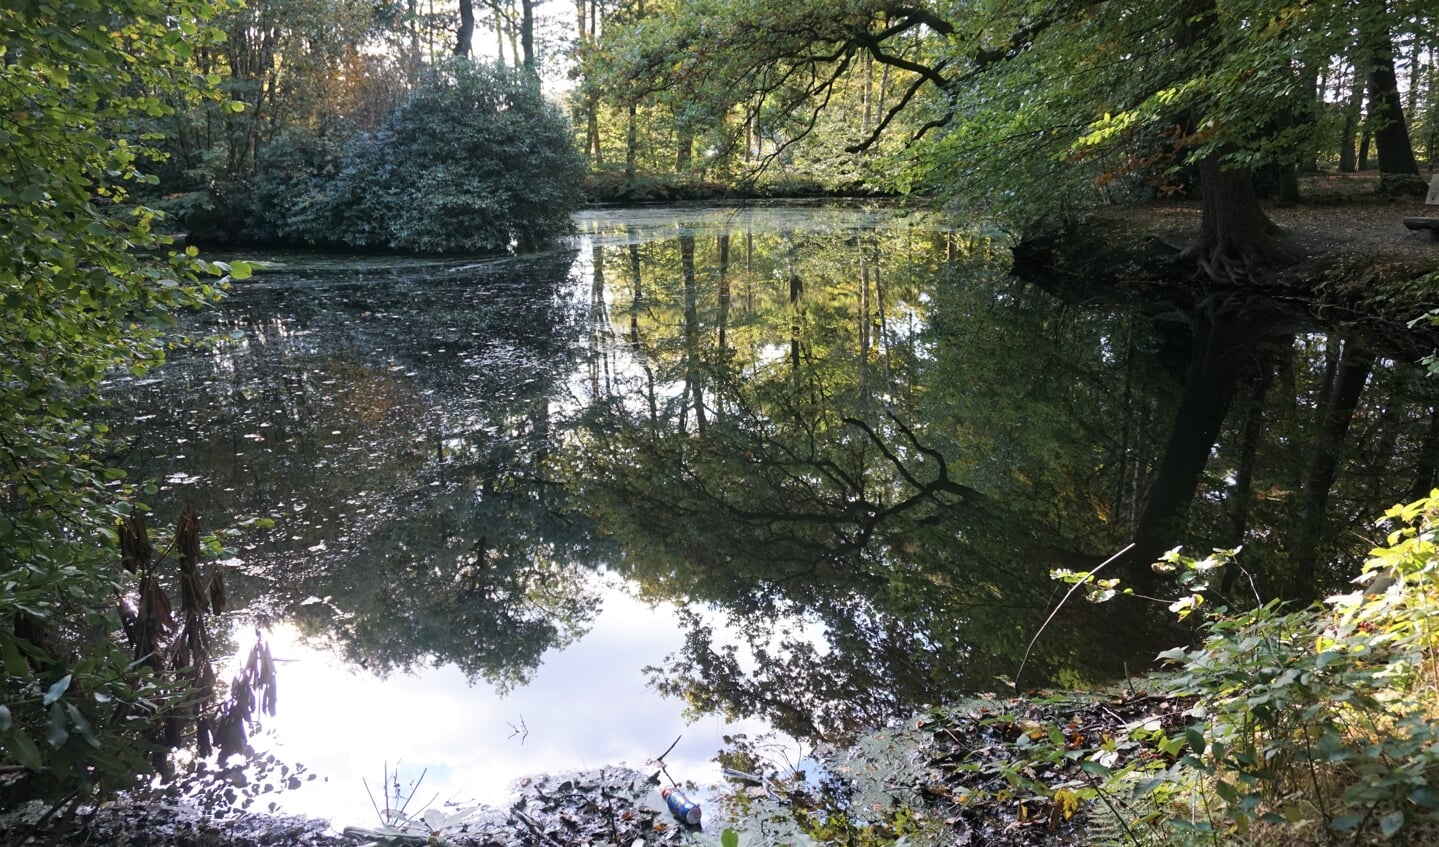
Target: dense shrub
x=474, y=161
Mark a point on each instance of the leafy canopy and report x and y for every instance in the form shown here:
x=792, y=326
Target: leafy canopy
x=1026, y=106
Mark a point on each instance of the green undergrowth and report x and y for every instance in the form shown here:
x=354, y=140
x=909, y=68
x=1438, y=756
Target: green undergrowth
x=1280, y=727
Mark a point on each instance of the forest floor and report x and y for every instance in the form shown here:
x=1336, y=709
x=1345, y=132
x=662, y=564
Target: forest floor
x=1338, y=213
x=1359, y=270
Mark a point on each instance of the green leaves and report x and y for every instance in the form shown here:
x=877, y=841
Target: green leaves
x=86, y=286
x=473, y=161
x=57, y=690
x=24, y=750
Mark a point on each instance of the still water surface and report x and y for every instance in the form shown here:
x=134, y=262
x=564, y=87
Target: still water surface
x=707, y=471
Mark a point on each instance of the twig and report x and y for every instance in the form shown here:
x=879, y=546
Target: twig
x=534, y=826
x=661, y=757
x=743, y=775
x=660, y=760
x=413, y=788
x=610, y=809
x=376, y=806
x=1070, y=593
x=522, y=731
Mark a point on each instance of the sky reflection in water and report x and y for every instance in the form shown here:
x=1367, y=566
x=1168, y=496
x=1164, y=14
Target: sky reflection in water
x=588, y=706
x=328, y=417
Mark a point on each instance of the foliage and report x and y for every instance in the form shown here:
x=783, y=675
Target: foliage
x=1316, y=724
x=87, y=287
x=1030, y=109
x=474, y=161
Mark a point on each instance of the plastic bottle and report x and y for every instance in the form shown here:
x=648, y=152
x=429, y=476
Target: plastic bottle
x=683, y=807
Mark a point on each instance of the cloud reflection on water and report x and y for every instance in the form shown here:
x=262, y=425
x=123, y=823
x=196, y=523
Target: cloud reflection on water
x=587, y=706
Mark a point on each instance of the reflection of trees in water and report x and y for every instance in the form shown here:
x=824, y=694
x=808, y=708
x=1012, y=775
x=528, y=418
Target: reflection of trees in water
x=862, y=448
x=882, y=438
x=398, y=427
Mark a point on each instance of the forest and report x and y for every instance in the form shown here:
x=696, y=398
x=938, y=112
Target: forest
x=145, y=144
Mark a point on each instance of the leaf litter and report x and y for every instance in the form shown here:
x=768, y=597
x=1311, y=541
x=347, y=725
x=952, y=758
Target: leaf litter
x=989, y=771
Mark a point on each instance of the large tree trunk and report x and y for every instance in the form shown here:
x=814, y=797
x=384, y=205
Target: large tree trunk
x=586, y=13
x=684, y=147
x=631, y=142
x=527, y=38
x=1226, y=334
x=724, y=295
x=694, y=371
x=1426, y=473
x=1398, y=169
x=796, y=290
x=1259, y=376
x=1236, y=238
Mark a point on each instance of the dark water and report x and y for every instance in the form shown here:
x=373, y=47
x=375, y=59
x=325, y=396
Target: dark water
x=792, y=468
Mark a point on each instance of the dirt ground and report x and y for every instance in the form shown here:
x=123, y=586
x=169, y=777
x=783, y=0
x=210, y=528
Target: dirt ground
x=1338, y=213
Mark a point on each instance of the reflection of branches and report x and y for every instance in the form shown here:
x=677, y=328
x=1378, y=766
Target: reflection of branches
x=522, y=731
x=941, y=484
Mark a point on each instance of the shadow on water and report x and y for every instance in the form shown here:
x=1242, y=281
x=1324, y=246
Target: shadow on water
x=849, y=448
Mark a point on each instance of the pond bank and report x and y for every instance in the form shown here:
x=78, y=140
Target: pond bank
x=1354, y=252
x=955, y=775
x=994, y=770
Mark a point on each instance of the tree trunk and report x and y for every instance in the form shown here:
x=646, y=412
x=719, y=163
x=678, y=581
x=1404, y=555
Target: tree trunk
x=1350, y=379
x=465, y=35
x=1433, y=87
x=527, y=38
x=586, y=14
x=592, y=131
x=636, y=304
x=1236, y=238
x=631, y=142
x=724, y=295
x=1348, y=134
x=598, y=317
x=1259, y=377
x=684, y=147
x=684, y=150
x=1416, y=73
x=864, y=325
x=694, y=373
x=412, y=61
x=1398, y=169
x=1426, y=474
x=498, y=12
x=1225, y=335
x=796, y=289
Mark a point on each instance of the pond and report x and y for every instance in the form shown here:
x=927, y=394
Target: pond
x=784, y=472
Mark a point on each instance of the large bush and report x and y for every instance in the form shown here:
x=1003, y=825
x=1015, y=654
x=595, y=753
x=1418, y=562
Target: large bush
x=474, y=161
